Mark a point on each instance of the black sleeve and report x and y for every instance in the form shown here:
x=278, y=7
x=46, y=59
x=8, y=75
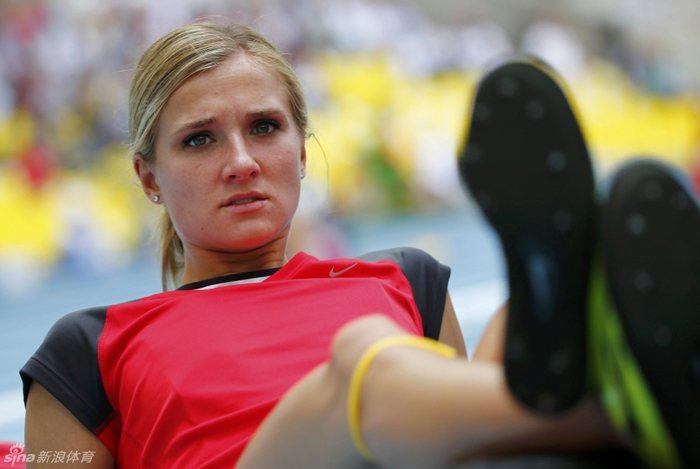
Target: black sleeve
x=66, y=365
x=428, y=279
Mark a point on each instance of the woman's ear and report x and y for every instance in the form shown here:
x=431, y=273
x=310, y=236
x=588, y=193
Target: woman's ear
x=145, y=173
x=303, y=160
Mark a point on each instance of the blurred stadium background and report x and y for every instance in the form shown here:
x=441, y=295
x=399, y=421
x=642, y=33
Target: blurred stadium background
x=388, y=85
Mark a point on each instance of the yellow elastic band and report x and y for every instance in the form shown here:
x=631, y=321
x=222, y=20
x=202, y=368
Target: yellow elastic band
x=361, y=369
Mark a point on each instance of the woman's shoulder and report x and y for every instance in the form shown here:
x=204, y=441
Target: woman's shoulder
x=72, y=338
x=80, y=322
x=66, y=364
x=428, y=279
x=406, y=257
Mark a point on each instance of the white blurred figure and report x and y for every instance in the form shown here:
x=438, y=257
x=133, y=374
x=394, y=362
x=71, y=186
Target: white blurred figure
x=481, y=42
x=557, y=44
x=361, y=25
x=435, y=173
x=88, y=244
x=315, y=230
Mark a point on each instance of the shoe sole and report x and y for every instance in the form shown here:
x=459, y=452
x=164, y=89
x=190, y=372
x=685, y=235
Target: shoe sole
x=527, y=166
x=645, y=331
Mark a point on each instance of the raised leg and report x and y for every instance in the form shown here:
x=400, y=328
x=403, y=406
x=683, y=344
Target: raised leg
x=525, y=163
x=645, y=319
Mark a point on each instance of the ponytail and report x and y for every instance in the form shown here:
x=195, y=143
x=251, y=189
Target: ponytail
x=172, y=253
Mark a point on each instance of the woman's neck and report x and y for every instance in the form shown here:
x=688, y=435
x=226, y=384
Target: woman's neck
x=203, y=264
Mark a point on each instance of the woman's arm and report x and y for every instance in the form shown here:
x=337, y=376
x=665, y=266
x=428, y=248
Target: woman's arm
x=492, y=342
x=49, y=426
x=450, y=332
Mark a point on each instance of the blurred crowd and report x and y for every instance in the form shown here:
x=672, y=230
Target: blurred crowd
x=388, y=91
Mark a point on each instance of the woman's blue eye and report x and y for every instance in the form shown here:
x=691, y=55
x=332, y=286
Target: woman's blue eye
x=265, y=127
x=196, y=140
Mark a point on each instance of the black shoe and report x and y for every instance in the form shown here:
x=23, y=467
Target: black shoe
x=526, y=164
x=645, y=314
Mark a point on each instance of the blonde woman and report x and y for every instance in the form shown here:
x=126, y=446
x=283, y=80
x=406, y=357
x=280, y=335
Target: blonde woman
x=254, y=359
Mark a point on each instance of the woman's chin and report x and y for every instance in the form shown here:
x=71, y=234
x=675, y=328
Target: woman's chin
x=261, y=242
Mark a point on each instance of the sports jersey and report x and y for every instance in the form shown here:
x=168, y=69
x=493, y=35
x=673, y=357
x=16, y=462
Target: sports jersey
x=184, y=378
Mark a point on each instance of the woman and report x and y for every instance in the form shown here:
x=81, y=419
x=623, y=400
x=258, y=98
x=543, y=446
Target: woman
x=185, y=378
x=218, y=126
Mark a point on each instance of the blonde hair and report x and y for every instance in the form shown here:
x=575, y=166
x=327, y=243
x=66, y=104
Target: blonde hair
x=164, y=67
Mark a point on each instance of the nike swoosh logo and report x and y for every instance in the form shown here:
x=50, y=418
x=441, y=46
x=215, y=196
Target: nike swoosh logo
x=340, y=272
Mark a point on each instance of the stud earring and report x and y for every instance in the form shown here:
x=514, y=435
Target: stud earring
x=303, y=173
x=156, y=199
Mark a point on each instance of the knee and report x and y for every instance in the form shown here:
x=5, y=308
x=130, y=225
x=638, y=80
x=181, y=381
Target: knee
x=353, y=339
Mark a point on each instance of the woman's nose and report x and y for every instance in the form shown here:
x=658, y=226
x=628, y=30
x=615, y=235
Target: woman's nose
x=240, y=164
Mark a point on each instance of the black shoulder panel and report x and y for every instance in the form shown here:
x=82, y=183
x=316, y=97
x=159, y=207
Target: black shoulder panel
x=66, y=365
x=428, y=279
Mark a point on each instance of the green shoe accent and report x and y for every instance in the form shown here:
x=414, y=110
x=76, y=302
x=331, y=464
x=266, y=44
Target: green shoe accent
x=622, y=388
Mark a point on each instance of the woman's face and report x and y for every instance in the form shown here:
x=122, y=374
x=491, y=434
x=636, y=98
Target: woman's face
x=228, y=159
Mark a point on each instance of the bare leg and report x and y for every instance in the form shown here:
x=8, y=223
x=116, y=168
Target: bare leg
x=418, y=410
x=422, y=410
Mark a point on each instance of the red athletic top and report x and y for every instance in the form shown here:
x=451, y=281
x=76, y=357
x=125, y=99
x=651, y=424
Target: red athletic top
x=184, y=378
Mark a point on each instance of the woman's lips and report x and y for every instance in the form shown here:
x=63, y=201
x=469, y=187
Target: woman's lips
x=249, y=204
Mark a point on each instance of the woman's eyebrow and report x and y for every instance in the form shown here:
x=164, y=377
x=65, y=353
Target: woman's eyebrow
x=266, y=112
x=195, y=125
